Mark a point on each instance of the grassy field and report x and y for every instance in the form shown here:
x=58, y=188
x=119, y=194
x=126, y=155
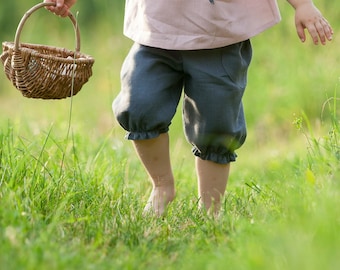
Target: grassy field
x=72, y=191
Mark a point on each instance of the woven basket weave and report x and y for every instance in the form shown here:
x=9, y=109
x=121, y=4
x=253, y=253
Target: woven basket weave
x=45, y=72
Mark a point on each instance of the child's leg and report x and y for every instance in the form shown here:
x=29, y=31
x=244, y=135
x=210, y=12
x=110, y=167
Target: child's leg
x=154, y=154
x=213, y=114
x=212, y=182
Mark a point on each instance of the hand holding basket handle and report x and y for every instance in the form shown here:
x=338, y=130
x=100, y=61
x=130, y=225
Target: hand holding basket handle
x=61, y=7
x=46, y=72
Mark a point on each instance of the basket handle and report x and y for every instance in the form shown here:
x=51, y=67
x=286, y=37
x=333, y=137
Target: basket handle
x=35, y=8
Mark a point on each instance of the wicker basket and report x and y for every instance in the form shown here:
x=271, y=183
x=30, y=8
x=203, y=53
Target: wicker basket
x=45, y=72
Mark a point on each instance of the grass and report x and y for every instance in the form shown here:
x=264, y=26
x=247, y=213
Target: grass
x=74, y=200
x=85, y=212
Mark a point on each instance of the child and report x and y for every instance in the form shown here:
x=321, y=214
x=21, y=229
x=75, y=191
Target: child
x=201, y=48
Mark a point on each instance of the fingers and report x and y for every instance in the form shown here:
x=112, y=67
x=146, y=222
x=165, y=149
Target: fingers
x=320, y=31
x=326, y=29
x=301, y=32
x=60, y=8
x=63, y=11
x=60, y=3
x=309, y=17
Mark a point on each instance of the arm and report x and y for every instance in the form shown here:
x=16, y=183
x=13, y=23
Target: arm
x=62, y=6
x=307, y=16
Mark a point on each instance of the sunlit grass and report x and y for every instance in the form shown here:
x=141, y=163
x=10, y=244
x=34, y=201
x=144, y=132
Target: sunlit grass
x=86, y=212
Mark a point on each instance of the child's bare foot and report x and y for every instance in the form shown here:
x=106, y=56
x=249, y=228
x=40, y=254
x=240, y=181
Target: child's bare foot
x=159, y=199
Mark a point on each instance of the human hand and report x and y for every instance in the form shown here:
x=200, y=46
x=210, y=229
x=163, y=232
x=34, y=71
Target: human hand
x=61, y=8
x=307, y=16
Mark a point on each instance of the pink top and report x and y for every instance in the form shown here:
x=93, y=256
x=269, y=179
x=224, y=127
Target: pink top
x=197, y=24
